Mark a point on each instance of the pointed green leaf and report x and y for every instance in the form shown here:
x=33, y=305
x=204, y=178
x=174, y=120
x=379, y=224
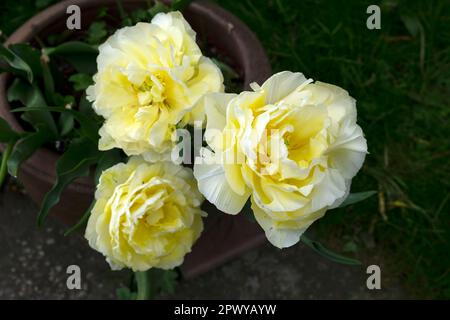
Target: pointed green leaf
x=74, y=163
x=178, y=5
x=6, y=132
x=357, y=197
x=319, y=248
x=80, y=150
x=89, y=126
x=15, y=64
x=97, y=32
x=140, y=15
x=106, y=160
x=31, y=97
x=25, y=148
x=66, y=123
x=81, y=81
x=154, y=281
x=81, y=55
x=30, y=55
x=230, y=76
x=71, y=47
x=49, y=84
x=158, y=7
x=125, y=294
x=4, y=160
x=168, y=281
x=82, y=222
x=85, y=107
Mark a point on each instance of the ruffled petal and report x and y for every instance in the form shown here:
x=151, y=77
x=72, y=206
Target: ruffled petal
x=281, y=84
x=213, y=184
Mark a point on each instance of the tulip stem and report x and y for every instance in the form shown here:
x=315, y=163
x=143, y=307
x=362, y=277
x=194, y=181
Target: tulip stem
x=143, y=285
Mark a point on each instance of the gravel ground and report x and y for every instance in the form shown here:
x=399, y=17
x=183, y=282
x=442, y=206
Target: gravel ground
x=33, y=264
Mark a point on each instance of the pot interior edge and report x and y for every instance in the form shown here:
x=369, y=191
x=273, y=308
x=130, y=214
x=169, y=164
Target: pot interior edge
x=208, y=24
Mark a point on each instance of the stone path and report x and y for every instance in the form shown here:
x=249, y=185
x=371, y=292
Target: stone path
x=33, y=265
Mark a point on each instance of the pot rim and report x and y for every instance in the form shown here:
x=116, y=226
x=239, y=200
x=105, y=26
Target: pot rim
x=253, y=61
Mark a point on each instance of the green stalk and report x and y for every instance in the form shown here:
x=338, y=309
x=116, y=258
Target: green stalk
x=143, y=285
x=3, y=166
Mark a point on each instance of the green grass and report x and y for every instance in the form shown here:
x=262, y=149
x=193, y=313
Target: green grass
x=400, y=76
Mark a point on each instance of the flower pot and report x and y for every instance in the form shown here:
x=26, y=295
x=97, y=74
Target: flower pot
x=225, y=236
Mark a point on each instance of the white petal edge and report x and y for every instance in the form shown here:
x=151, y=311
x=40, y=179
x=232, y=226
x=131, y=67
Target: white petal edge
x=213, y=184
x=281, y=85
x=280, y=238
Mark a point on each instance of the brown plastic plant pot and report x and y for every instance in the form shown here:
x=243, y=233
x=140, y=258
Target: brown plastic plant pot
x=224, y=237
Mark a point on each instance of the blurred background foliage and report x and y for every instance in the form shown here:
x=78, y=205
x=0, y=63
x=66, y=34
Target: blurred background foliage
x=14, y=13
x=400, y=76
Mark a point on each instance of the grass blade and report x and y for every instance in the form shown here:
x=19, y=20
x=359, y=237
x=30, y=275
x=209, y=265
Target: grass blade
x=319, y=248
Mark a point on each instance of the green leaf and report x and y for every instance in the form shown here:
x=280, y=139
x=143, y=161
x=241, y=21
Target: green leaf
x=97, y=32
x=357, y=197
x=169, y=281
x=158, y=7
x=25, y=148
x=79, y=151
x=66, y=123
x=49, y=84
x=106, y=160
x=82, y=222
x=80, y=54
x=230, y=76
x=31, y=97
x=125, y=294
x=85, y=106
x=30, y=55
x=89, y=126
x=81, y=81
x=140, y=15
x=7, y=134
x=153, y=281
x=17, y=65
x=3, y=164
x=74, y=163
x=178, y=5
x=59, y=38
x=319, y=248
x=102, y=12
x=226, y=69
x=350, y=246
x=64, y=100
